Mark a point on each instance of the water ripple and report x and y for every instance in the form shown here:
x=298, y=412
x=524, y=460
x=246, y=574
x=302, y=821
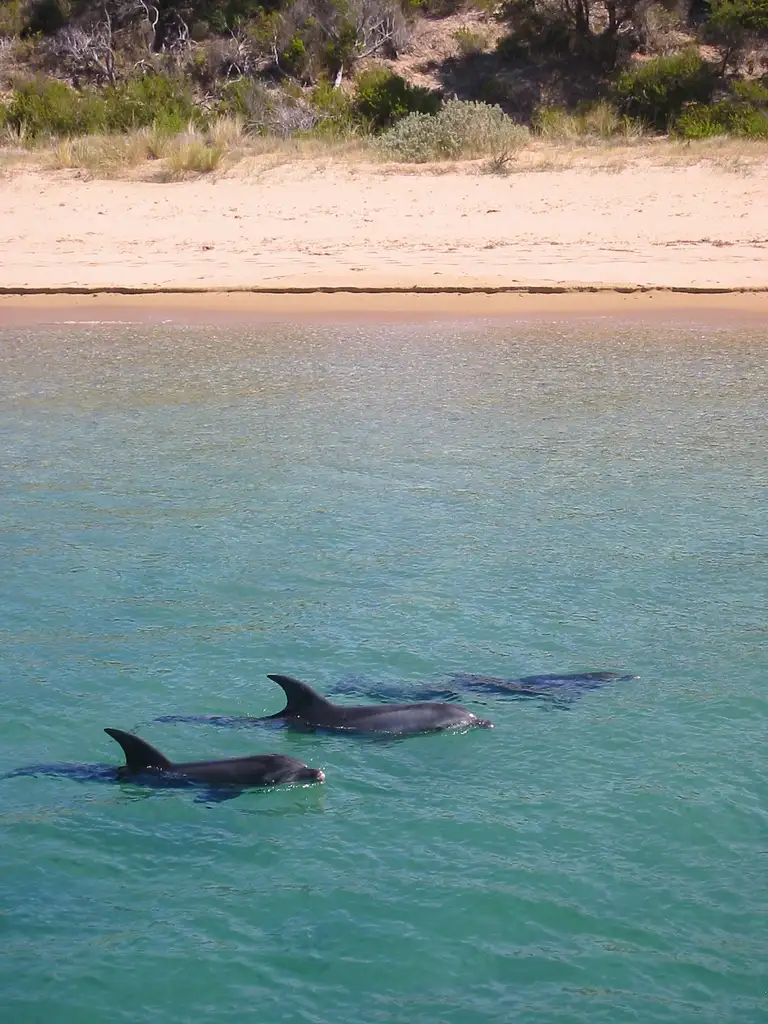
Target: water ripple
x=184, y=511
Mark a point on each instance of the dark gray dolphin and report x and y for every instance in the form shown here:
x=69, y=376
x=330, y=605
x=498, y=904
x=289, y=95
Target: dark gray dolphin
x=142, y=760
x=221, y=780
x=306, y=709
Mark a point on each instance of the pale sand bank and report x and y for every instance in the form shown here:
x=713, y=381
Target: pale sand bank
x=302, y=226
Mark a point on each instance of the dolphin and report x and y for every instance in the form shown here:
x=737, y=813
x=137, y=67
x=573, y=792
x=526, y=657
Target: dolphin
x=222, y=780
x=306, y=709
x=258, y=770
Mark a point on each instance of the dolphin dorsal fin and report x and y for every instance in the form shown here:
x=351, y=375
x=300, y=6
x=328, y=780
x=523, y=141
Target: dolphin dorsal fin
x=138, y=753
x=300, y=697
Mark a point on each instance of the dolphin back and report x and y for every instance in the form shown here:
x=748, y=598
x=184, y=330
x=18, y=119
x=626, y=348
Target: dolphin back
x=139, y=755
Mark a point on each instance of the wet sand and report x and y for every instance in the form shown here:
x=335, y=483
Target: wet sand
x=718, y=309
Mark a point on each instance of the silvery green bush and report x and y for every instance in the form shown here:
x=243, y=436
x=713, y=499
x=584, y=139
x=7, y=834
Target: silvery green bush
x=459, y=130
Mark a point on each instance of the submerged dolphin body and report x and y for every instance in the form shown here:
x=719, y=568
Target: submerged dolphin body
x=559, y=688
x=306, y=709
x=548, y=684
x=221, y=780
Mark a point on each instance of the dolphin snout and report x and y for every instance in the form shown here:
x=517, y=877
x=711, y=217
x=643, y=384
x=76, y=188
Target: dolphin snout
x=319, y=775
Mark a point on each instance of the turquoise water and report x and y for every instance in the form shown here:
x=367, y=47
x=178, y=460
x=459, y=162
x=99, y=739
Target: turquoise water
x=184, y=510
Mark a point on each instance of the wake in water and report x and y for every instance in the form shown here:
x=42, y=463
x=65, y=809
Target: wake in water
x=109, y=774
x=75, y=772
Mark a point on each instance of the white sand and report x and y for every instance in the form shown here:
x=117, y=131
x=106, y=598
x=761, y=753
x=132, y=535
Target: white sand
x=302, y=226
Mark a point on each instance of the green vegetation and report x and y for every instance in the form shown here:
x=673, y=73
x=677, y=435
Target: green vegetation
x=458, y=130
x=595, y=121
x=470, y=42
x=743, y=113
x=48, y=107
x=566, y=70
x=656, y=92
x=382, y=98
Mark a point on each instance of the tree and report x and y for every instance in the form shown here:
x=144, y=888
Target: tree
x=736, y=25
x=592, y=28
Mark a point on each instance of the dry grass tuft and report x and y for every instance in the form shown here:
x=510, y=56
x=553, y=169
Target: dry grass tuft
x=598, y=123
x=148, y=155
x=732, y=155
x=172, y=157
x=107, y=156
x=190, y=155
x=227, y=132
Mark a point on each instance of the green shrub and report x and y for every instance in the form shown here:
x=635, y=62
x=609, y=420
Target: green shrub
x=11, y=18
x=743, y=113
x=434, y=8
x=728, y=16
x=43, y=107
x=295, y=59
x=755, y=93
x=734, y=26
x=336, y=112
x=729, y=117
x=159, y=100
x=699, y=121
x=242, y=98
x=747, y=122
x=199, y=31
x=460, y=129
x=341, y=50
x=657, y=91
x=383, y=98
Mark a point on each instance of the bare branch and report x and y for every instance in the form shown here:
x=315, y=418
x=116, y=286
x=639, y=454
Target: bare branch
x=87, y=52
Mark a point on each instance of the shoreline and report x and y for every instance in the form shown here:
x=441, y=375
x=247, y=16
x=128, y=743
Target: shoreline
x=708, y=307
x=324, y=241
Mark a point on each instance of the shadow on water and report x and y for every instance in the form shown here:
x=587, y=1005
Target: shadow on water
x=224, y=721
x=75, y=772
x=139, y=783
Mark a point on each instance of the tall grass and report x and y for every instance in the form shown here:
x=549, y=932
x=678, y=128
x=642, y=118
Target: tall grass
x=147, y=154
x=193, y=152
x=190, y=155
x=599, y=121
x=108, y=156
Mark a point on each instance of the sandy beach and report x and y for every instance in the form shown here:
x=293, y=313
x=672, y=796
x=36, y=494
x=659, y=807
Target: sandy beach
x=306, y=227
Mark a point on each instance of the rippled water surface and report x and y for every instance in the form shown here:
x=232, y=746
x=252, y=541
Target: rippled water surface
x=184, y=510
